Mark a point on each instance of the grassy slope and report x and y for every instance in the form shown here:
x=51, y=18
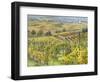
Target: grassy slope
x=52, y=26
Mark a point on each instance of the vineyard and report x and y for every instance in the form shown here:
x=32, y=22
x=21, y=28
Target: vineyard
x=50, y=43
x=58, y=50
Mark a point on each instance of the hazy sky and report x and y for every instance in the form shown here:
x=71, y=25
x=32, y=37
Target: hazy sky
x=58, y=18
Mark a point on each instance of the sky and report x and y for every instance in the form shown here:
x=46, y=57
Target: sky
x=61, y=19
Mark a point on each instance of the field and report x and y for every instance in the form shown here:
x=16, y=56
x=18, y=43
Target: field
x=53, y=42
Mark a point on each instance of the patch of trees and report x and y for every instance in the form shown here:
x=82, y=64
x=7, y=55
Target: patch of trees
x=48, y=33
x=84, y=30
x=33, y=33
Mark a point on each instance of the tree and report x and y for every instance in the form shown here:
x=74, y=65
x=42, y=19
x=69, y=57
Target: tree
x=33, y=32
x=84, y=30
x=48, y=33
x=64, y=30
x=40, y=33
